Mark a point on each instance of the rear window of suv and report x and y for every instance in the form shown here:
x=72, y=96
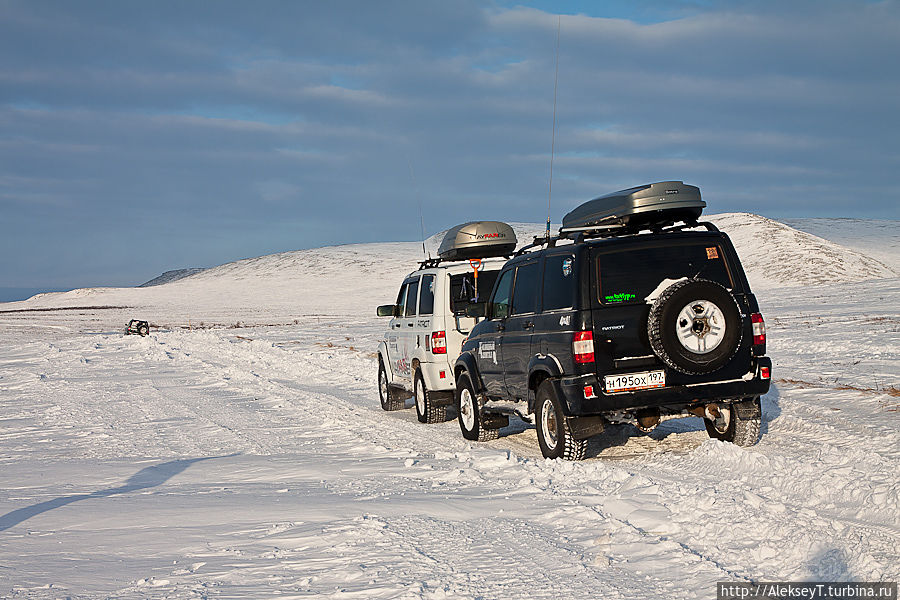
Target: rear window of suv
x=630, y=275
x=462, y=289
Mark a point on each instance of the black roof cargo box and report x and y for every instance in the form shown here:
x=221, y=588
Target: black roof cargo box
x=478, y=239
x=645, y=206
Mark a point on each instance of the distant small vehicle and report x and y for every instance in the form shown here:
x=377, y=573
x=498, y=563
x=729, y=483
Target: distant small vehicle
x=136, y=327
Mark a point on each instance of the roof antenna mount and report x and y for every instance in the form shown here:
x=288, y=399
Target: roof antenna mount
x=412, y=176
x=553, y=136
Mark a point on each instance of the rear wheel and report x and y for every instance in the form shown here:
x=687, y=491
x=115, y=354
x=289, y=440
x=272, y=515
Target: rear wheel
x=144, y=330
x=469, y=412
x=739, y=423
x=426, y=411
x=554, y=436
x=389, y=400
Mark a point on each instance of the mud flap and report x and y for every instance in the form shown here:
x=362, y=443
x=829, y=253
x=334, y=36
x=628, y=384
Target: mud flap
x=748, y=409
x=584, y=427
x=441, y=398
x=400, y=392
x=494, y=420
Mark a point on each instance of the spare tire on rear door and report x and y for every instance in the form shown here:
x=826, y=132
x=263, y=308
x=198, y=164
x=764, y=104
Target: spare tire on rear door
x=695, y=326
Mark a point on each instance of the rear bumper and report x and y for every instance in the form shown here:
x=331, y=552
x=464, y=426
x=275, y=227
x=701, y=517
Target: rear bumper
x=571, y=391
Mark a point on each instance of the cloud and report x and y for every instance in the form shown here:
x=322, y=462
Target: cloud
x=237, y=131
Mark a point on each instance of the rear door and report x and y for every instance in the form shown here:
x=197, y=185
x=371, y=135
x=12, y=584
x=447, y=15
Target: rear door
x=489, y=341
x=628, y=278
x=515, y=346
x=555, y=325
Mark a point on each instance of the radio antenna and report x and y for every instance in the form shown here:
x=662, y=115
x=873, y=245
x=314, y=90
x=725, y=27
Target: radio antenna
x=553, y=137
x=419, y=202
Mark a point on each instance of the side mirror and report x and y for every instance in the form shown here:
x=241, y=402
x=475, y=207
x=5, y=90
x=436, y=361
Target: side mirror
x=387, y=310
x=476, y=309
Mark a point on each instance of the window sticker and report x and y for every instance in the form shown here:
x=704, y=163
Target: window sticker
x=567, y=267
x=620, y=297
x=712, y=253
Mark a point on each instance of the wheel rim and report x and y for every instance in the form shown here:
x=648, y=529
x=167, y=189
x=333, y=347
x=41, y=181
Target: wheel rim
x=548, y=424
x=382, y=384
x=700, y=326
x=467, y=409
x=420, y=396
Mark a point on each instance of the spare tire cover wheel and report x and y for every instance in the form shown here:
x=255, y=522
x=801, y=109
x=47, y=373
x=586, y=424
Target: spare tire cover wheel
x=694, y=326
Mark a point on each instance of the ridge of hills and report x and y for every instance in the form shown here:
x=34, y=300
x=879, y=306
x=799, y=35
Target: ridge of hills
x=350, y=280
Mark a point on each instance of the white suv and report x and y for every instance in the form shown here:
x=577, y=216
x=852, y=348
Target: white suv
x=429, y=322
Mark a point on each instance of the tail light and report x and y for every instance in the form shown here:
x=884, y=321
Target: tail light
x=439, y=342
x=583, y=347
x=765, y=373
x=759, y=329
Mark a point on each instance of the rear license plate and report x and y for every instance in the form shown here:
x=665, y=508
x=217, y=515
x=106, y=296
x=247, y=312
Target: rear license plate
x=630, y=382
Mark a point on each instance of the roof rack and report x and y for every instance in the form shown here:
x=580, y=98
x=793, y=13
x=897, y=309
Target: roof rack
x=580, y=234
x=593, y=231
x=430, y=263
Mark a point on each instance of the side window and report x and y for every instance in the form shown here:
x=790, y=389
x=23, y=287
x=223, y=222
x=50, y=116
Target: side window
x=500, y=300
x=559, y=282
x=401, y=299
x=525, y=291
x=426, y=298
x=412, y=291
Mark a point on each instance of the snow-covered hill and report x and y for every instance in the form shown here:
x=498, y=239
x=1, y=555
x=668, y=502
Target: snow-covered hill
x=170, y=276
x=877, y=238
x=353, y=279
x=776, y=255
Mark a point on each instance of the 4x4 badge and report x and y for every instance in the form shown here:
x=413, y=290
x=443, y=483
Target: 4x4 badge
x=565, y=320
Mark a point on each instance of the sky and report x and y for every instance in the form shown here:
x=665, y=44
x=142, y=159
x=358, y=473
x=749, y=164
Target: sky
x=138, y=137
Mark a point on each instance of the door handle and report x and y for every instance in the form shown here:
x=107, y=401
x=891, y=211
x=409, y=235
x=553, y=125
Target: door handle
x=528, y=325
x=409, y=324
x=501, y=327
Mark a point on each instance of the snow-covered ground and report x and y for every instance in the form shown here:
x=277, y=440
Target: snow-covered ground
x=209, y=460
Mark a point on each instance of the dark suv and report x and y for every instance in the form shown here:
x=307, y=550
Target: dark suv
x=631, y=321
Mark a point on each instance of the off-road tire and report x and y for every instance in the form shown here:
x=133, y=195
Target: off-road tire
x=741, y=430
x=144, y=330
x=666, y=317
x=468, y=411
x=426, y=411
x=389, y=399
x=554, y=436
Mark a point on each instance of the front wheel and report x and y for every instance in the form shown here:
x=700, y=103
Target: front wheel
x=554, y=436
x=426, y=411
x=389, y=400
x=469, y=412
x=739, y=423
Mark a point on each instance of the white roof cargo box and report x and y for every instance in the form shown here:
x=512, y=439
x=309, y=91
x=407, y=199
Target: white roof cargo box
x=478, y=239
